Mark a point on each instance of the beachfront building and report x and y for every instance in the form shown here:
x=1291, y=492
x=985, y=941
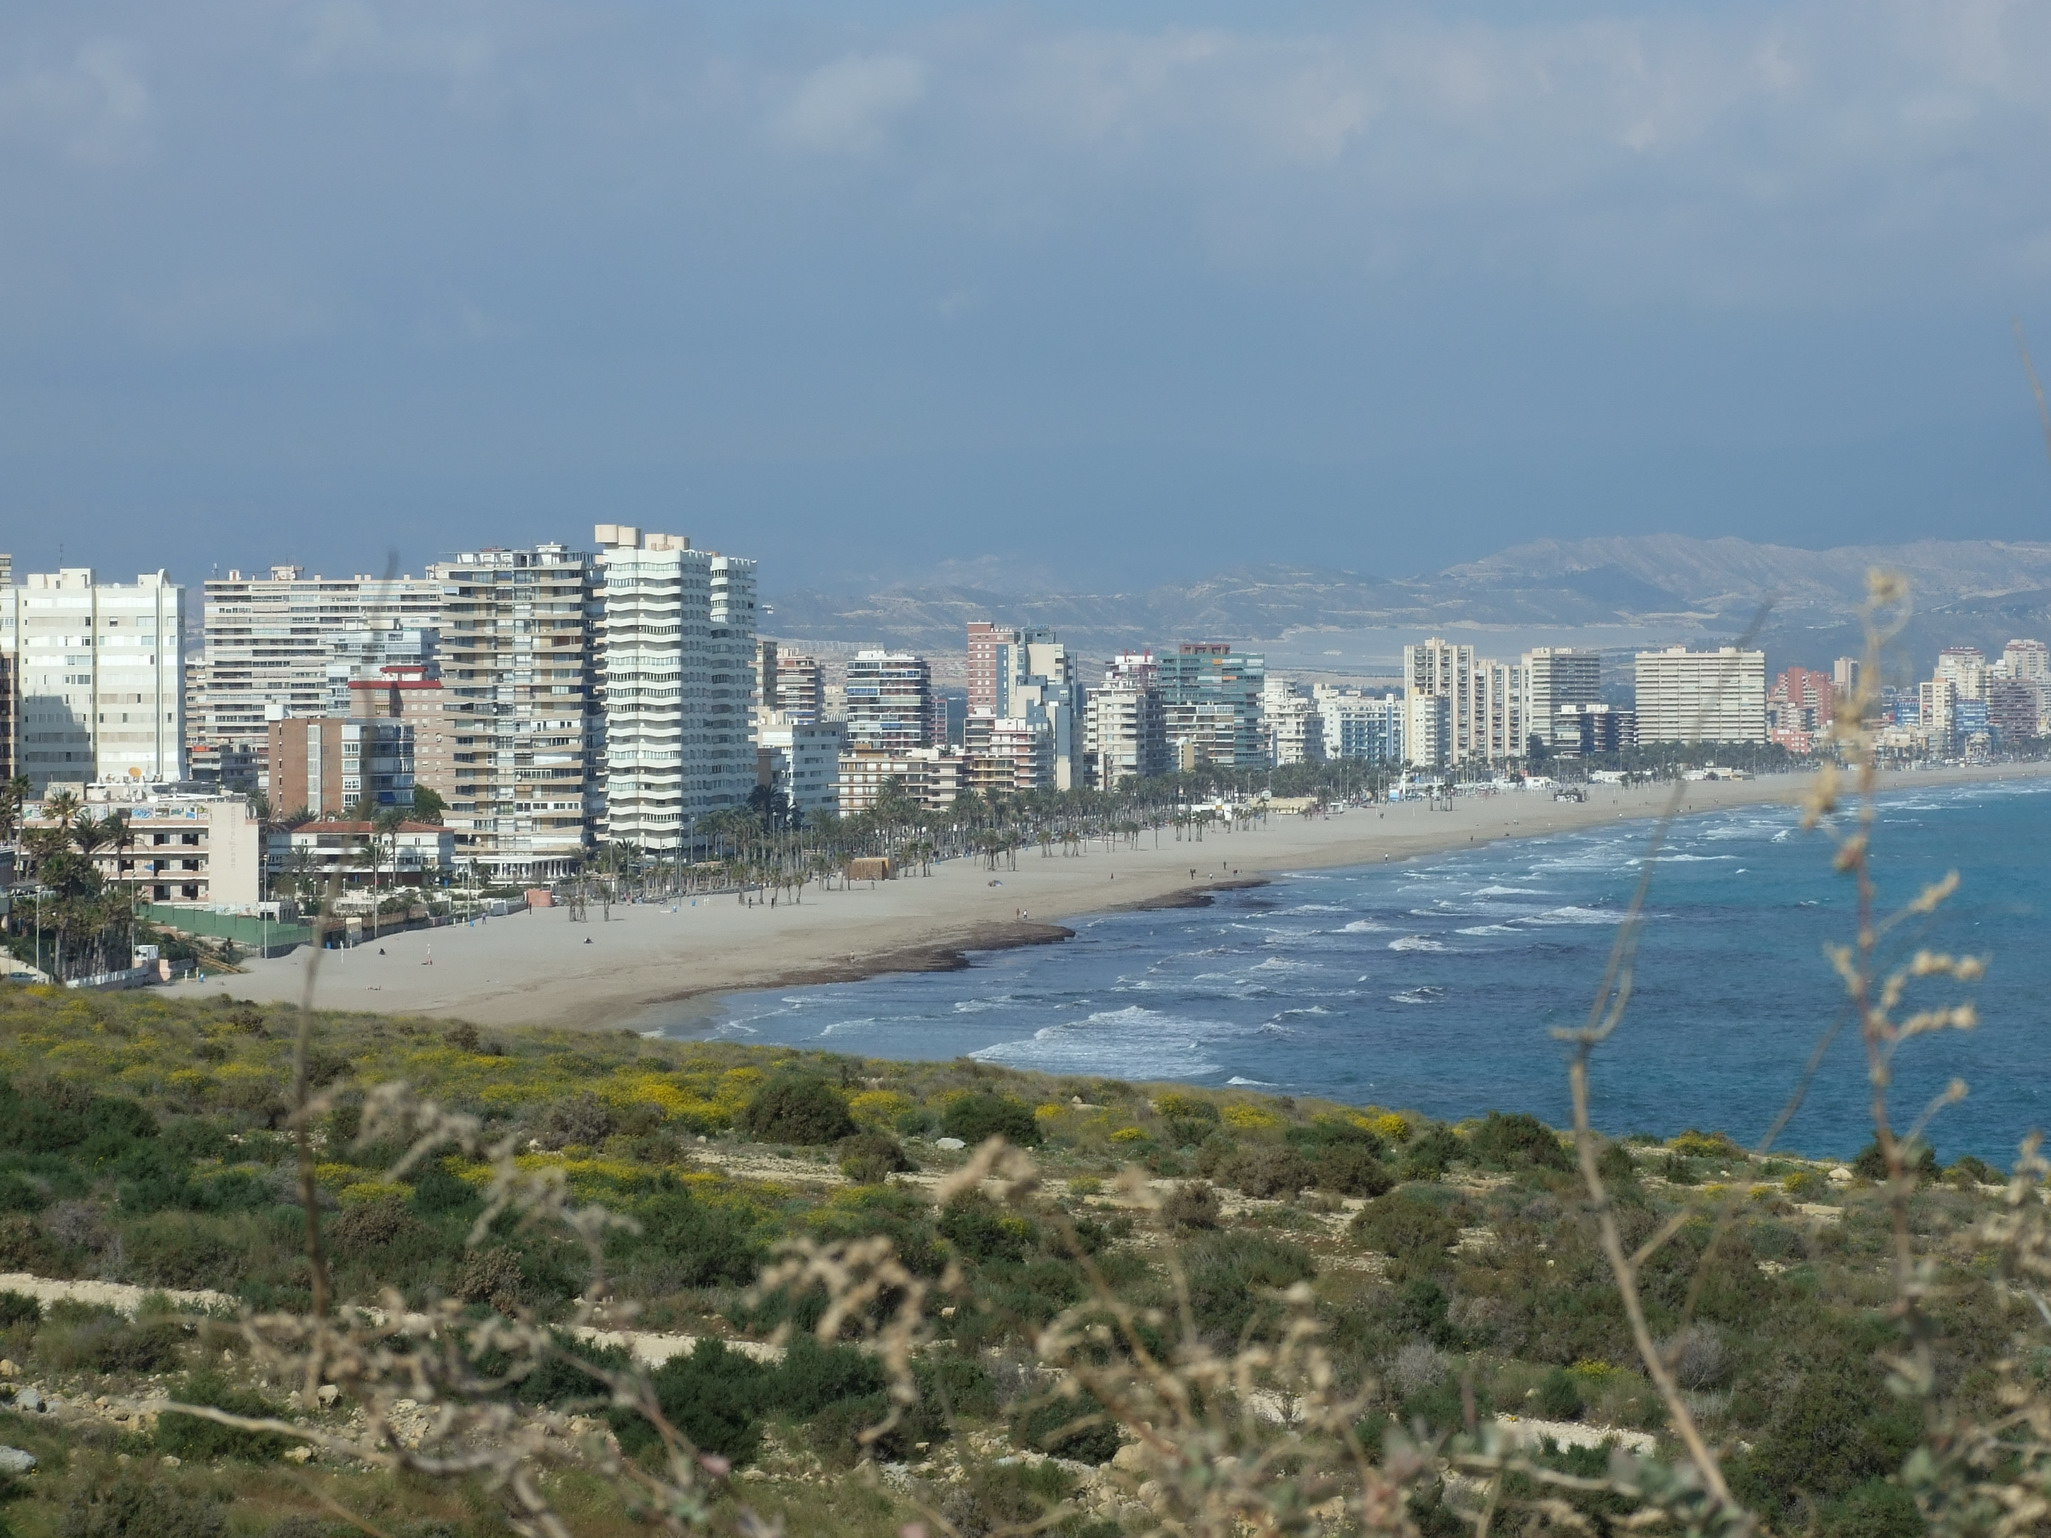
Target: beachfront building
x=1211, y=706
x=518, y=649
x=1555, y=677
x=330, y=764
x=1584, y=729
x=889, y=701
x=97, y=678
x=2028, y=661
x=355, y=855
x=1801, y=709
x=1427, y=731
x=179, y=843
x=1484, y=701
x=1364, y=728
x=1007, y=755
x=930, y=778
x=272, y=646
x=680, y=665
x=800, y=761
x=357, y=655
x=1124, y=734
x=1296, y=731
x=1707, y=696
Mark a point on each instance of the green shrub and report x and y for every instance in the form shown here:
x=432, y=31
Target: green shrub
x=686, y=1241
x=1615, y=1164
x=80, y=1337
x=1192, y=1204
x=141, y=1507
x=182, y=1249
x=1229, y=1272
x=197, y=1440
x=1267, y=1169
x=1079, y=1429
x=1351, y=1169
x=813, y=1375
x=1871, y=1163
x=797, y=1108
x=440, y=1192
x=1879, y=1508
x=972, y=1223
x=1411, y=1229
x=715, y=1396
x=1179, y=1106
x=1558, y=1396
x=1517, y=1141
x=1431, y=1153
x=1968, y=1171
x=870, y=1158
x=1325, y=1131
x=20, y=1194
x=998, y=1496
x=978, y=1117
x=19, y=1308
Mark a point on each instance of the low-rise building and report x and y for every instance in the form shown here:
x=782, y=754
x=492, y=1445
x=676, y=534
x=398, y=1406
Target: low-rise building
x=183, y=843
x=930, y=777
x=361, y=854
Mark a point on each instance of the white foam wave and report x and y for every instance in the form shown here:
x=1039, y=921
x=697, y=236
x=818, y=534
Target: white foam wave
x=1284, y=964
x=1129, y=1043
x=978, y=1006
x=1363, y=927
x=1491, y=929
x=1418, y=996
x=1418, y=943
x=1576, y=915
x=1251, y=1083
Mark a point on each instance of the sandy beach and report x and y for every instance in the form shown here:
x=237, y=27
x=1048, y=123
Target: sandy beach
x=539, y=968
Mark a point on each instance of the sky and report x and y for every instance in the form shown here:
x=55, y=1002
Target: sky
x=1100, y=294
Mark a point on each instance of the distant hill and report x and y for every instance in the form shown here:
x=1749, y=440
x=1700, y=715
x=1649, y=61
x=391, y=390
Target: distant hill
x=1692, y=586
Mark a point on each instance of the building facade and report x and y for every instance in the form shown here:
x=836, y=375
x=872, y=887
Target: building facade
x=1711, y=696
x=97, y=676
x=1211, y=706
x=182, y=844
x=800, y=689
x=269, y=651
x=1556, y=676
x=680, y=666
x=1296, y=729
x=1125, y=736
x=930, y=777
x=1362, y=727
x=1579, y=731
x=800, y=761
x=889, y=701
x=518, y=647
x=332, y=764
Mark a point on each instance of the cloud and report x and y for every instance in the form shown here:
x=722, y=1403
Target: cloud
x=95, y=107
x=847, y=106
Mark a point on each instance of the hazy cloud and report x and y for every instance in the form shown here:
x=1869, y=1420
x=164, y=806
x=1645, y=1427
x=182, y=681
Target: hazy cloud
x=846, y=107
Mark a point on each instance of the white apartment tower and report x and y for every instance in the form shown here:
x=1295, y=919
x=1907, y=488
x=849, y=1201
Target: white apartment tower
x=1363, y=727
x=1717, y=696
x=680, y=668
x=517, y=645
x=99, y=677
x=1125, y=736
x=1296, y=731
x=270, y=646
x=1484, y=701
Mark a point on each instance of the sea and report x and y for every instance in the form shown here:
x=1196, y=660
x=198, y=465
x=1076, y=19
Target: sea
x=1439, y=984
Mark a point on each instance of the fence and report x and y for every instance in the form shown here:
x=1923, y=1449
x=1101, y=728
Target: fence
x=266, y=935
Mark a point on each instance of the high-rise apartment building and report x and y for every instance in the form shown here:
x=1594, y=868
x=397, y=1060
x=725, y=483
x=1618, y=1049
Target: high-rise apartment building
x=1485, y=700
x=1427, y=731
x=1027, y=676
x=1556, y=676
x=800, y=761
x=1801, y=708
x=2028, y=661
x=889, y=701
x=1715, y=696
x=358, y=655
x=98, y=674
x=1007, y=755
x=1844, y=675
x=1211, y=705
x=984, y=666
x=800, y=689
x=1581, y=730
x=1965, y=669
x=269, y=650
x=680, y=666
x=518, y=648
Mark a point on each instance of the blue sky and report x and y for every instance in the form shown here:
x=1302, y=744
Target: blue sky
x=1094, y=294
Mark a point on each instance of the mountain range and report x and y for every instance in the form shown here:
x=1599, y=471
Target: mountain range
x=1682, y=588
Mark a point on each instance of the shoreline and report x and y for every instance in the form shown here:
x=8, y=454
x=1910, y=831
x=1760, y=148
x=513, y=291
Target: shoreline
x=658, y=966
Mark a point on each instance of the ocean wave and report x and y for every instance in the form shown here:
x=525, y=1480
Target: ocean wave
x=1418, y=943
x=1491, y=929
x=1577, y=915
x=1129, y=1043
x=1425, y=995
x=1510, y=891
x=1284, y=964
x=1236, y=1080
x=1363, y=927
x=978, y=1006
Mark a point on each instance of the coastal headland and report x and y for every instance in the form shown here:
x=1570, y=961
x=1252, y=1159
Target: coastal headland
x=541, y=968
